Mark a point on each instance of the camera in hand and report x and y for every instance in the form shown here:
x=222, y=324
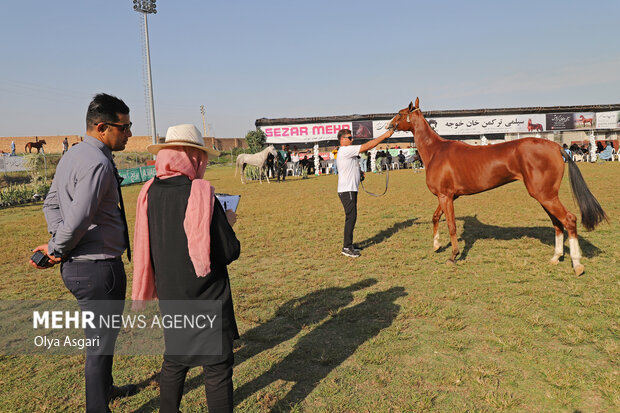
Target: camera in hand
x=40, y=258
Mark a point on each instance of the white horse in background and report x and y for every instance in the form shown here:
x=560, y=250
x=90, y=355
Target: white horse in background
x=256, y=159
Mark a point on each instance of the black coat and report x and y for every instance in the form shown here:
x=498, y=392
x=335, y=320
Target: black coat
x=175, y=278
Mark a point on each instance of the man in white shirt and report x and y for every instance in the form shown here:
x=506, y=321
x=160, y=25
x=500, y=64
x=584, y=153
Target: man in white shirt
x=349, y=181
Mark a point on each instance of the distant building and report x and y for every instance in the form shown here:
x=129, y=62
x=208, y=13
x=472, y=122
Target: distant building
x=221, y=144
x=226, y=144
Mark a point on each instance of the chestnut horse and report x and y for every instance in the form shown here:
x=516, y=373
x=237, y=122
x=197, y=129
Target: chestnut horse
x=32, y=145
x=454, y=168
x=585, y=120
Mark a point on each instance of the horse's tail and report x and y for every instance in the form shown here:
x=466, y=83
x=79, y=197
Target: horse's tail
x=591, y=211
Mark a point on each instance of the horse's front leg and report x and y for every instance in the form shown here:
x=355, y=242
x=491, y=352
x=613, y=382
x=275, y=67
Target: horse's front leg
x=446, y=202
x=266, y=175
x=436, y=217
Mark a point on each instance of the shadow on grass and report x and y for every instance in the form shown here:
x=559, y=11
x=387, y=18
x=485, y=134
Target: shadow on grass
x=386, y=233
x=287, y=322
x=326, y=347
x=474, y=230
x=153, y=404
x=293, y=315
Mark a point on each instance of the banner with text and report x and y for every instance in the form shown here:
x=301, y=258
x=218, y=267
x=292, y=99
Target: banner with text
x=481, y=125
x=608, y=120
x=304, y=133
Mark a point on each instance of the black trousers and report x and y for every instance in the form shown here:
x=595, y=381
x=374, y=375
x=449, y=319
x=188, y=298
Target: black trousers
x=281, y=170
x=218, y=386
x=98, y=286
x=349, y=202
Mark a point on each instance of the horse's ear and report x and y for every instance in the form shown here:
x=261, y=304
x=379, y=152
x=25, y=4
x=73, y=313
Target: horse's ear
x=411, y=107
x=417, y=102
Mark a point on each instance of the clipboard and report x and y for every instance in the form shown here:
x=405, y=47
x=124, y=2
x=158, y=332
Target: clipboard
x=229, y=201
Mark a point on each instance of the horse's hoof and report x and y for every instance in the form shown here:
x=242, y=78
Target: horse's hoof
x=436, y=247
x=451, y=261
x=554, y=260
x=579, y=269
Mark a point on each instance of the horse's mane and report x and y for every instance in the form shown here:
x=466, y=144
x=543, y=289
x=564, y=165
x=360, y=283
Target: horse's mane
x=429, y=129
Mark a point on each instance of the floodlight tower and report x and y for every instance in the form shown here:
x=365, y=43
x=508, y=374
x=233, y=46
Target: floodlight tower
x=204, y=125
x=148, y=7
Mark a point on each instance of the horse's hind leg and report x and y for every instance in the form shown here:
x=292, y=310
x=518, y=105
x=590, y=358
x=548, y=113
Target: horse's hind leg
x=559, y=238
x=447, y=205
x=436, y=217
x=555, y=208
x=243, y=173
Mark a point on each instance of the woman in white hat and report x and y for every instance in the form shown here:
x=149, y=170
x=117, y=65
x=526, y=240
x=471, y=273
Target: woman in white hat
x=183, y=242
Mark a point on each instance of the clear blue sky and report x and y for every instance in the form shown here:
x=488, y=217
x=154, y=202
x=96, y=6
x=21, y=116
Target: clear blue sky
x=245, y=60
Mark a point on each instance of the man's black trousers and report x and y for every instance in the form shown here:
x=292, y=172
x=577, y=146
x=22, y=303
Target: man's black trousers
x=349, y=202
x=98, y=286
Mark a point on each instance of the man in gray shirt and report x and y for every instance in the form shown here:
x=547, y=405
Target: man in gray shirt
x=89, y=235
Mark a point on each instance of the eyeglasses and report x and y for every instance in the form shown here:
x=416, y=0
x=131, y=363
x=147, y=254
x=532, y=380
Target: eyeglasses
x=349, y=137
x=123, y=128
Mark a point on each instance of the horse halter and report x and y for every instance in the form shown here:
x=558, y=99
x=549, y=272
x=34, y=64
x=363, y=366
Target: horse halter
x=387, y=172
x=410, y=112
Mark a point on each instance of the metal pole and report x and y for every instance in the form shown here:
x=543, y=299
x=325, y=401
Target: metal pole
x=149, y=79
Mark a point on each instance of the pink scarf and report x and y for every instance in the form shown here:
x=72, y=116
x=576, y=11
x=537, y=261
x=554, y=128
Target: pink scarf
x=175, y=161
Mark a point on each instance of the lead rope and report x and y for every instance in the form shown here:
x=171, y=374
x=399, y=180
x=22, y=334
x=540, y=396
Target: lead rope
x=387, y=180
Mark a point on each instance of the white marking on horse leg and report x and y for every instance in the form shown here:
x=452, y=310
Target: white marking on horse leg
x=575, y=255
x=559, y=248
x=575, y=251
x=436, y=243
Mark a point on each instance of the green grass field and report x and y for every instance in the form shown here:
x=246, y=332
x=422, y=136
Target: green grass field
x=397, y=330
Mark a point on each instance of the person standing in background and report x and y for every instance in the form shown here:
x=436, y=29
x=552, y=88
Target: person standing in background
x=349, y=180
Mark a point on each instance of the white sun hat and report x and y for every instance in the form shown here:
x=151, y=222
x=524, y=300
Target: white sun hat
x=183, y=135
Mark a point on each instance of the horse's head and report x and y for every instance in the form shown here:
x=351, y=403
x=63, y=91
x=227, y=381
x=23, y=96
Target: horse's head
x=272, y=150
x=404, y=120
x=42, y=141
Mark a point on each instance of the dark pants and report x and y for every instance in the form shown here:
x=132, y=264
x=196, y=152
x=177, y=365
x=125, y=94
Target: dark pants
x=218, y=386
x=281, y=169
x=98, y=286
x=349, y=202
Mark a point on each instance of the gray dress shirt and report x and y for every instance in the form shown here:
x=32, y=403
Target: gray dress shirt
x=81, y=207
